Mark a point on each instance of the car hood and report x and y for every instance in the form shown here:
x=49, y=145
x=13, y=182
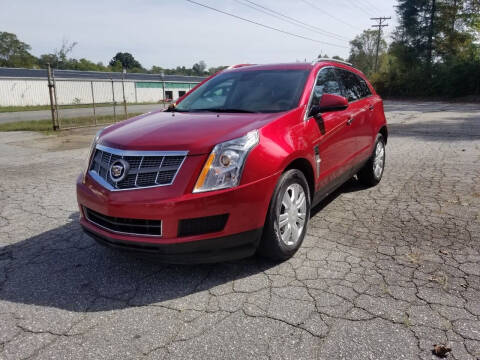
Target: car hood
x=196, y=133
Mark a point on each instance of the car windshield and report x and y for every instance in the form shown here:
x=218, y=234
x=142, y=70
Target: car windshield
x=262, y=91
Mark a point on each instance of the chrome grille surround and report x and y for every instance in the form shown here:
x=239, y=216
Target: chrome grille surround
x=147, y=168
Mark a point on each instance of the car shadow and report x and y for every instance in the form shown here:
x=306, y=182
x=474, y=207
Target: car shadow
x=450, y=129
x=428, y=106
x=352, y=185
x=64, y=268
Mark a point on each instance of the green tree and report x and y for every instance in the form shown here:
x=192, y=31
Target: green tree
x=412, y=31
x=59, y=58
x=156, y=70
x=199, y=68
x=46, y=59
x=126, y=60
x=15, y=53
x=363, y=50
x=214, y=70
x=435, y=50
x=86, y=65
x=457, y=28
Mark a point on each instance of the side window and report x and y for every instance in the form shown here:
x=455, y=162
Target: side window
x=327, y=83
x=364, y=87
x=352, y=86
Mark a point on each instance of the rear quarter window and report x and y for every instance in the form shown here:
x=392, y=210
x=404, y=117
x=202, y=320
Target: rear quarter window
x=355, y=88
x=364, y=88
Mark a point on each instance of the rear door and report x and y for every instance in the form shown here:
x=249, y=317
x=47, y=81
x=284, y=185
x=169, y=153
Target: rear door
x=329, y=136
x=367, y=133
x=359, y=114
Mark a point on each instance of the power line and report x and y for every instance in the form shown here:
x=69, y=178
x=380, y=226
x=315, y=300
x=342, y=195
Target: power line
x=371, y=5
x=357, y=6
x=380, y=25
x=332, y=16
x=292, y=20
x=265, y=26
x=308, y=27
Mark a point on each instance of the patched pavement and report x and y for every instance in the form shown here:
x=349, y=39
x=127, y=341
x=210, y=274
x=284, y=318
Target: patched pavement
x=384, y=273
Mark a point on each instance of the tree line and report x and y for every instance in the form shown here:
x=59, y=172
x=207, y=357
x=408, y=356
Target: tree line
x=16, y=53
x=434, y=51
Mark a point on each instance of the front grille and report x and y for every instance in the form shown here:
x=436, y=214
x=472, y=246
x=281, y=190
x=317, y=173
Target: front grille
x=202, y=225
x=125, y=225
x=146, y=168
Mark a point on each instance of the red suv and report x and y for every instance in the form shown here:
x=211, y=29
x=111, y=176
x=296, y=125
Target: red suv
x=236, y=165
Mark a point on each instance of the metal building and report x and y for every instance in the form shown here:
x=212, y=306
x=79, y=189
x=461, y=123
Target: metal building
x=28, y=87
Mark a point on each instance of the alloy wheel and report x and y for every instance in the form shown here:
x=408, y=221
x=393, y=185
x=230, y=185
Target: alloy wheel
x=379, y=159
x=292, y=214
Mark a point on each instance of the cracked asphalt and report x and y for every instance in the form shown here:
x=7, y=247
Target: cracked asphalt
x=384, y=273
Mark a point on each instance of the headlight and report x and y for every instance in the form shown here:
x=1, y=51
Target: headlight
x=223, y=168
x=90, y=153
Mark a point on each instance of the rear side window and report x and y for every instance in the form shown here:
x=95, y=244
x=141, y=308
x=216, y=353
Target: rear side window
x=365, y=89
x=355, y=87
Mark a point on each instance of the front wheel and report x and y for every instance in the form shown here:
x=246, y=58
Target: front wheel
x=372, y=171
x=287, y=218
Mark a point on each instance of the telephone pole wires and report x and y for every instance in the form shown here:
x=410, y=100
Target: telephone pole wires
x=380, y=25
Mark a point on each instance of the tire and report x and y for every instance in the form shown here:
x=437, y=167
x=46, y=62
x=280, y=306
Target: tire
x=371, y=173
x=277, y=242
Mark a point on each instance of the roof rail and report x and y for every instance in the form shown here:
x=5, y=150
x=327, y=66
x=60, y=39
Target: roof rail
x=237, y=66
x=334, y=60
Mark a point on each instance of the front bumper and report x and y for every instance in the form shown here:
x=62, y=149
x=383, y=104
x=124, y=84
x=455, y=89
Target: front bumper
x=246, y=206
x=219, y=249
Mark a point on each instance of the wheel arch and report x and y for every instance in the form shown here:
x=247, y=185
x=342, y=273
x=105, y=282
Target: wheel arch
x=305, y=167
x=384, y=131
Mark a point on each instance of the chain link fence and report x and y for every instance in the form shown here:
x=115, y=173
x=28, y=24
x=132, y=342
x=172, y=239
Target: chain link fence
x=108, y=100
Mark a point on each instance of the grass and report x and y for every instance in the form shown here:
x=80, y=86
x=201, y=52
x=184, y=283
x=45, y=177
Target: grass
x=46, y=125
x=4, y=109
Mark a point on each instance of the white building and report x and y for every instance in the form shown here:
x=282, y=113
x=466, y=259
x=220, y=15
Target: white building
x=28, y=87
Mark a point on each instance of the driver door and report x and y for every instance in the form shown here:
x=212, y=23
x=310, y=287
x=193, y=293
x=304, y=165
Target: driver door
x=330, y=135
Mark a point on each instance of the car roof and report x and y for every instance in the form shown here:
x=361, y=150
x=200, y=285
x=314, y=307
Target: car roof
x=341, y=65
x=281, y=66
x=296, y=66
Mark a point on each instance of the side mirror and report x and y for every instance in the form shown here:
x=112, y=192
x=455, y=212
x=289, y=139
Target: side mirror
x=331, y=102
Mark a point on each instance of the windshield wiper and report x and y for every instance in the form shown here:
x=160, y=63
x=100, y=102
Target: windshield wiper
x=173, y=108
x=223, y=110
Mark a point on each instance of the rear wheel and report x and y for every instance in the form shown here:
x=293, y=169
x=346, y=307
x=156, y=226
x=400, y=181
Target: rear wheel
x=372, y=171
x=287, y=217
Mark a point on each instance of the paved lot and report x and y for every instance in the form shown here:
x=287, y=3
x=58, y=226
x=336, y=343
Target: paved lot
x=7, y=117
x=384, y=273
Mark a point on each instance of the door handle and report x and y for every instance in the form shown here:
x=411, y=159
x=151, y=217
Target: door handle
x=350, y=120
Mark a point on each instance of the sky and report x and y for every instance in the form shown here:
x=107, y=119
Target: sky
x=170, y=33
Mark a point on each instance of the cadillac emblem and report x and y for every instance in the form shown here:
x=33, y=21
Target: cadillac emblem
x=118, y=170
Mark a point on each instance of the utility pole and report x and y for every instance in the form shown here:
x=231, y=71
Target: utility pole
x=380, y=25
x=162, y=74
x=124, y=72
x=113, y=101
x=52, y=100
